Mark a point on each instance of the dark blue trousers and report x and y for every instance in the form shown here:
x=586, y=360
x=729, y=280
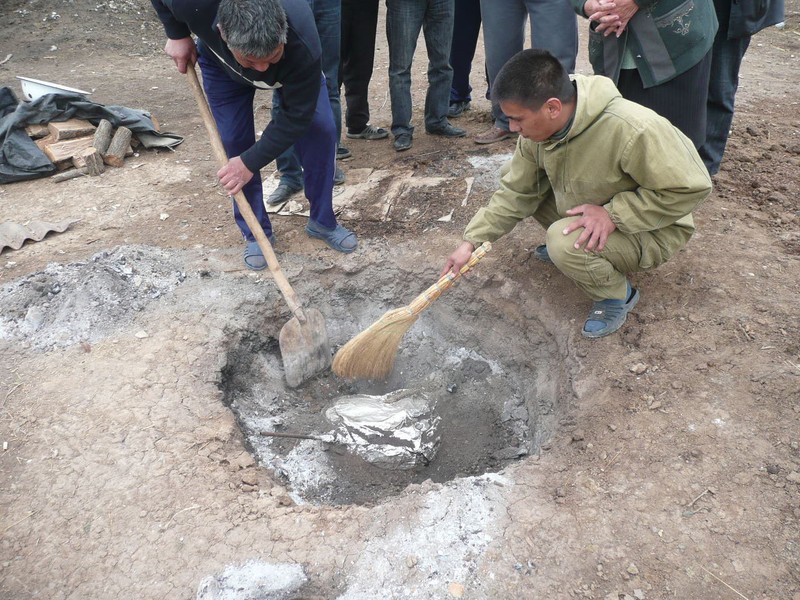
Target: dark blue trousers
x=231, y=104
x=466, y=28
x=726, y=58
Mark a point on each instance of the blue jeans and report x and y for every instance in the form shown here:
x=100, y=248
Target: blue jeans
x=328, y=17
x=466, y=27
x=554, y=27
x=231, y=104
x=404, y=20
x=726, y=58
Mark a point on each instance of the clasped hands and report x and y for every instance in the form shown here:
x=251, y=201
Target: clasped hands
x=611, y=16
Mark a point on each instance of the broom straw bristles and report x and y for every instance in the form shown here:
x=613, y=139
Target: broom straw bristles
x=371, y=354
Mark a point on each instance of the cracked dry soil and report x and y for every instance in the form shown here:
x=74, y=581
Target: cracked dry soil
x=668, y=465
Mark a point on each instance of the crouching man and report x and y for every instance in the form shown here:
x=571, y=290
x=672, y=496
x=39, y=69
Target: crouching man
x=612, y=182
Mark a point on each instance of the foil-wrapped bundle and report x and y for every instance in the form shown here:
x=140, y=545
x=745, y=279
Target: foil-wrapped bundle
x=398, y=430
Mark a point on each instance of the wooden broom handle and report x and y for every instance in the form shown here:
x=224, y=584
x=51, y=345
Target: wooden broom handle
x=446, y=281
x=241, y=201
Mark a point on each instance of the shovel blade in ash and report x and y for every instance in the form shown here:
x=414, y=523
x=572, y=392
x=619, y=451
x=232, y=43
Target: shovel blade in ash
x=305, y=348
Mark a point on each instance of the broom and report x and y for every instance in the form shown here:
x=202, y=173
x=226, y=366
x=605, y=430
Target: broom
x=371, y=354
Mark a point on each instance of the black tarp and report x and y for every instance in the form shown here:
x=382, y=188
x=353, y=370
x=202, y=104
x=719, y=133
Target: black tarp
x=20, y=157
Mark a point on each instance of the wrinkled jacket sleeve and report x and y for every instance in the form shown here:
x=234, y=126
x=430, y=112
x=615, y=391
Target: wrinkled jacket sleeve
x=669, y=188
x=523, y=187
x=174, y=29
x=299, y=95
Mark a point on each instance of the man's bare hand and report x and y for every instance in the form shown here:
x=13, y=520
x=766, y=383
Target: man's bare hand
x=597, y=226
x=234, y=175
x=183, y=52
x=458, y=258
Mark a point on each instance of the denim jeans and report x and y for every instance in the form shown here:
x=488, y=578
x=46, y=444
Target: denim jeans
x=466, y=27
x=404, y=20
x=726, y=58
x=328, y=17
x=359, y=26
x=231, y=104
x=554, y=27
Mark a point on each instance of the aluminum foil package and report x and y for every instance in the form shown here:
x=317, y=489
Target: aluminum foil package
x=398, y=430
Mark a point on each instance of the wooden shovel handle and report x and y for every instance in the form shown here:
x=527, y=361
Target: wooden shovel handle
x=425, y=299
x=241, y=201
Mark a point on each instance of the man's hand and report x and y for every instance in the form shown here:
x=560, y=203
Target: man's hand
x=183, y=52
x=597, y=226
x=234, y=175
x=458, y=258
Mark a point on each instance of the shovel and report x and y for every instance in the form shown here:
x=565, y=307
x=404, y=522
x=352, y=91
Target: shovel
x=303, y=340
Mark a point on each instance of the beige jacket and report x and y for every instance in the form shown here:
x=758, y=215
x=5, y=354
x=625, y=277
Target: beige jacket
x=617, y=154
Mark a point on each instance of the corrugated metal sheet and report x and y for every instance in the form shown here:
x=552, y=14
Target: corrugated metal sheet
x=14, y=235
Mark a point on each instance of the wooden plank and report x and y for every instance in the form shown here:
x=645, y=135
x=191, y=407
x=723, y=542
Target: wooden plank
x=70, y=129
x=44, y=142
x=37, y=131
x=61, y=151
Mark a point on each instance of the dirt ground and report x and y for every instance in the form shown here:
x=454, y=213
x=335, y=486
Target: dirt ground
x=668, y=467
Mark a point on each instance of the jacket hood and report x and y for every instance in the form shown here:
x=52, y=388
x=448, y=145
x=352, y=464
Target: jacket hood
x=594, y=94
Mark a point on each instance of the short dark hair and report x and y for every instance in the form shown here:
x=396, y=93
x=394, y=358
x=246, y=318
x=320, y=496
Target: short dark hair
x=252, y=27
x=530, y=78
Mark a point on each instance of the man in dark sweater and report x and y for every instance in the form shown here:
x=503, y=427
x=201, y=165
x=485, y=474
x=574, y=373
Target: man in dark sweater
x=244, y=45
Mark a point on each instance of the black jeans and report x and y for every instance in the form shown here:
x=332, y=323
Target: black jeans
x=726, y=59
x=466, y=28
x=359, y=26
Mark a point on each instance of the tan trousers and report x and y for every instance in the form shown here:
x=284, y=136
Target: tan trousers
x=602, y=275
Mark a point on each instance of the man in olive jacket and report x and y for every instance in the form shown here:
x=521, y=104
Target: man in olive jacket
x=613, y=183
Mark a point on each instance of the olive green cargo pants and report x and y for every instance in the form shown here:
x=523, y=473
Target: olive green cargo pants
x=603, y=275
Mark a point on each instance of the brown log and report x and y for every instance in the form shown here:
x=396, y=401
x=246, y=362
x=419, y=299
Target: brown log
x=70, y=129
x=115, y=155
x=91, y=160
x=64, y=151
x=37, y=131
x=71, y=174
x=102, y=136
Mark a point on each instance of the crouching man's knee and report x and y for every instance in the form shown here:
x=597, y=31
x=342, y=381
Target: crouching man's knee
x=560, y=247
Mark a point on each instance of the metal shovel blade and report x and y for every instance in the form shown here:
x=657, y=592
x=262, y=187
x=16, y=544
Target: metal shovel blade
x=304, y=347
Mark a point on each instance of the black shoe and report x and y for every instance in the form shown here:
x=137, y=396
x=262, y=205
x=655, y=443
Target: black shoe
x=282, y=194
x=457, y=108
x=338, y=176
x=541, y=253
x=403, y=142
x=447, y=130
x=369, y=133
x=343, y=153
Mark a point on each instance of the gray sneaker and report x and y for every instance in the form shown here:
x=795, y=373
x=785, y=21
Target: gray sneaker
x=338, y=176
x=282, y=194
x=369, y=133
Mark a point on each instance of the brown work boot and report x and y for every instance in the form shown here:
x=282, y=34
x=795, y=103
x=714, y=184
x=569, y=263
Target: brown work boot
x=492, y=135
